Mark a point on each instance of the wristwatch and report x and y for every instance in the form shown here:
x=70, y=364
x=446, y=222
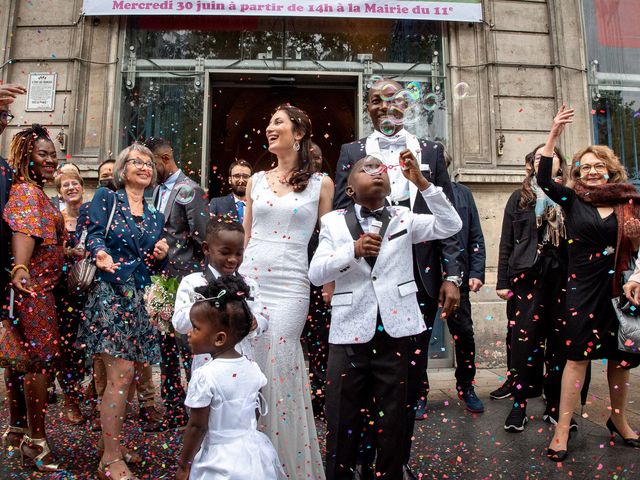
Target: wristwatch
x=457, y=281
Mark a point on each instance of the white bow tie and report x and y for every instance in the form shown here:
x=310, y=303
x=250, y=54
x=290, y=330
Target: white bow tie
x=386, y=142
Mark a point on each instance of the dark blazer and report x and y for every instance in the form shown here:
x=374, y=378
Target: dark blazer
x=127, y=244
x=518, y=241
x=473, y=254
x=6, y=179
x=223, y=206
x=428, y=255
x=185, y=227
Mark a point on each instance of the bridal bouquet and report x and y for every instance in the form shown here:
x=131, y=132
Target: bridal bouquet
x=159, y=299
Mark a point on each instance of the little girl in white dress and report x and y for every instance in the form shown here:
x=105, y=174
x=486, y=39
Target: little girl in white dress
x=221, y=441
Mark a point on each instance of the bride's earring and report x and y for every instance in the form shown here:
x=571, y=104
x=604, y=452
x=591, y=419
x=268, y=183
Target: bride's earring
x=296, y=146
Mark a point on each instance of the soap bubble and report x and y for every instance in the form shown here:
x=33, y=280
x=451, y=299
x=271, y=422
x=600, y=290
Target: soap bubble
x=396, y=113
x=388, y=91
x=461, y=90
x=372, y=80
x=412, y=114
x=404, y=98
x=430, y=102
x=415, y=89
x=387, y=125
x=185, y=195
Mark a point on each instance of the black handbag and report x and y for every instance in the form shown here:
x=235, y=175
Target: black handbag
x=83, y=272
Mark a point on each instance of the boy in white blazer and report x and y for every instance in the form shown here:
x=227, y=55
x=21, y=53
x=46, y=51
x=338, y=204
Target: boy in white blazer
x=374, y=309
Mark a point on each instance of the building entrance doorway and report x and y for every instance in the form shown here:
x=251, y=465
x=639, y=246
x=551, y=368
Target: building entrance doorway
x=240, y=105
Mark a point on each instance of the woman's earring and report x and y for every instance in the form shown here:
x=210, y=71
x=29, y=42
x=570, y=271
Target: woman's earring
x=296, y=146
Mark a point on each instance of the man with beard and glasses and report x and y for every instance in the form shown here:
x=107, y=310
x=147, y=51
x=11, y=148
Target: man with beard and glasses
x=233, y=204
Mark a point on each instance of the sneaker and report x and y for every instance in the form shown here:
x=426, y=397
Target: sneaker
x=468, y=396
x=550, y=416
x=516, y=420
x=421, y=409
x=504, y=391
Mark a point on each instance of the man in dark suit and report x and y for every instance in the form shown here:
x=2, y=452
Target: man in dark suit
x=435, y=263
x=233, y=204
x=472, y=263
x=184, y=205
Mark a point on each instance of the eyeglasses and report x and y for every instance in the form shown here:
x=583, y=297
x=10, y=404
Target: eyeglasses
x=70, y=184
x=586, y=168
x=140, y=164
x=6, y=117
x=241, y=176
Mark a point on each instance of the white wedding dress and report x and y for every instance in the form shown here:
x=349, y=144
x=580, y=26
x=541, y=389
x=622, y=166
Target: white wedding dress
x=276, y=258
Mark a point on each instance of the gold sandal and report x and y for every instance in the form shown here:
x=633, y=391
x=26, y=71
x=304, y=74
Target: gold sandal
x=104, y=473
x=37, y=460
x=131, y=458
x=11, y=430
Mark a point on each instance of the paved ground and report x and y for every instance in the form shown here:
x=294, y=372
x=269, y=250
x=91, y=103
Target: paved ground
x=450, y=444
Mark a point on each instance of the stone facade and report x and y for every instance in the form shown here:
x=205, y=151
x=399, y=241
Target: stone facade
x=526, y=60
x=52, y=36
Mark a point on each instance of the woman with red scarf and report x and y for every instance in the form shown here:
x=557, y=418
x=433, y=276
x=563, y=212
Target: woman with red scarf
x=602, y=212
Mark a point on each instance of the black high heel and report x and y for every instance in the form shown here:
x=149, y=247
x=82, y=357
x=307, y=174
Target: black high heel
x=629, y=442
x=559, y=455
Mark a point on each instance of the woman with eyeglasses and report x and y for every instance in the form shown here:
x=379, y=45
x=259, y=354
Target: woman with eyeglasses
x=124, y=238
x=602, y=212
x=70, y=304
x=531, y=278
x=37, y=248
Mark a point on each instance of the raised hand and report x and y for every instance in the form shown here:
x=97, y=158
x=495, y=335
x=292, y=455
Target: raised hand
x=563, y=117
x=411, y=169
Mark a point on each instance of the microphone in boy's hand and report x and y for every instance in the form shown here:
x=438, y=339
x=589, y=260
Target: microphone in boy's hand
x=375, y=227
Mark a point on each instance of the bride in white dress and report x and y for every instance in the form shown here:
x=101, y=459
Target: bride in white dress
x=283, y=207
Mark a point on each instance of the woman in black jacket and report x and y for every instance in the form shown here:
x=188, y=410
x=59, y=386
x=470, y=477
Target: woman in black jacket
x=532, y=249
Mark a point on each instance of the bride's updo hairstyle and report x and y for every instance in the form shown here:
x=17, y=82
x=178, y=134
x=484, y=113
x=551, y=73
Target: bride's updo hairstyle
x=299, y=179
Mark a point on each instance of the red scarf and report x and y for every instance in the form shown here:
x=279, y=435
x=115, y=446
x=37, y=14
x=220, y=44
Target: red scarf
x=607, y=195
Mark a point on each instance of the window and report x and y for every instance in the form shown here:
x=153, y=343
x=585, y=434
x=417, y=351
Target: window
x=613, y=50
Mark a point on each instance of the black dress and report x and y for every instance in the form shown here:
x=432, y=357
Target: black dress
x=591, y=324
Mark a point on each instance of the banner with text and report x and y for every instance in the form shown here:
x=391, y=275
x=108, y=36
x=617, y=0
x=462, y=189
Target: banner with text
x=456, y=10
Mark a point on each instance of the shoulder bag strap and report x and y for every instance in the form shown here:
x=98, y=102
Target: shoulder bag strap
x=113, y=211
